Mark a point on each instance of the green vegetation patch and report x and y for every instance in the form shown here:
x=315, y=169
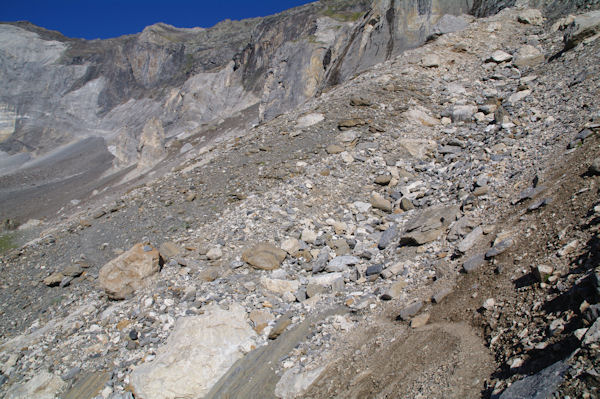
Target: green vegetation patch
x=7, y=242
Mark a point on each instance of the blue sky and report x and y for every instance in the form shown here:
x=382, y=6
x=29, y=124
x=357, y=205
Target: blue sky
x=101, y=19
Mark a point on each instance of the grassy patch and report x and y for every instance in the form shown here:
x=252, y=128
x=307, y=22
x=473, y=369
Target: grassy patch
x=342, y=16
x=7, y=242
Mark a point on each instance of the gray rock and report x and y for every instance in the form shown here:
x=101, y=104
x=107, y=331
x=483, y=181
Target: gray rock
x=66, y=281
x=280, y=325
x=473, y=263
x=470, y=239
x=431, y=61
x=585, y=26
x=334, y=149
x=129, y=272
x=528, y=194
x=301, y=294
x=538, y=204
x=264, y=256
x=463, y=113
x=338, y=285
x=542, y=272
x=388, y=236
x=410, y=310
x=448, y=24
x=384, y=179
x=374, y=269
x=54, y=279
x=322, y=260
x=379, y=202
x=499, y=248
x=592, y=335
x=72, y=373
x=358, y=101
x=499, y=56
x=314, y=289
x=73, y=270
x=538, y=386
x=594, y=168
x=528, y=56
x=429, y=225
x=340, y=263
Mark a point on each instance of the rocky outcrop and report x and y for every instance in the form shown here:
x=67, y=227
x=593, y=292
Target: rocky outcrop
x=199, y=351
x=71, y=88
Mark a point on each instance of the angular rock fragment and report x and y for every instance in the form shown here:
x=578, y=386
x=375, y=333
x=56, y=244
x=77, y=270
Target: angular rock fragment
x=127, y=273
x=410, y=310
x=429, y=225
x=499, y=248
x=528, y=56
x=542, y=272
x=264, y=256
x=585, y=26
x=388, y=236
x=379, y=202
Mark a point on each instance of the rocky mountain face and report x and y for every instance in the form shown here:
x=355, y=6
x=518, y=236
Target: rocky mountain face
x=428, y=227
x=146, y=95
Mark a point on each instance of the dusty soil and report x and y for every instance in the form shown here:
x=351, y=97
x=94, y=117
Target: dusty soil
x=452, y=356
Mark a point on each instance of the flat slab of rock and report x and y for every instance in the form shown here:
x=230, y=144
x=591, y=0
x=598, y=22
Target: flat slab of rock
x=531, y=16
x=540, y=385
x=198, y=352
x=169, y=249
x=429, y=225
x=264, y=256
x=499, y=56
x=470, y=239
x=122, y=276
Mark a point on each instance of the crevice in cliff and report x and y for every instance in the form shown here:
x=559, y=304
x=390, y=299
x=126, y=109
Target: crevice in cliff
x=333, y=76
x=390, y=17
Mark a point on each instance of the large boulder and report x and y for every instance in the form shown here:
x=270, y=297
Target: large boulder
x=124, y=275
x=198, y=353
x=264, y=256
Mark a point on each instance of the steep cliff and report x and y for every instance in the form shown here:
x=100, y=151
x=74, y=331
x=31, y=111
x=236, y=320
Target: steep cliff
x=144, y=95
